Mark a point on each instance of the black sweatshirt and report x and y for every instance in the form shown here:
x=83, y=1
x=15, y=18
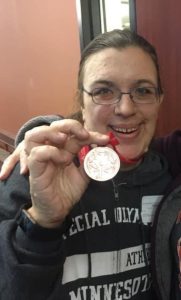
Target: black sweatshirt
x=103, y=252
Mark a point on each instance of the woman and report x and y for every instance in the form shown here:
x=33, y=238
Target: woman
x=81, y=238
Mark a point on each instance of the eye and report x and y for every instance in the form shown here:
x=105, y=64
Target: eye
x=103, y=92
x=144, y=91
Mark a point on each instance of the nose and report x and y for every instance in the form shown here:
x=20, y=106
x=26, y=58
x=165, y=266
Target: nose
x=125, y=107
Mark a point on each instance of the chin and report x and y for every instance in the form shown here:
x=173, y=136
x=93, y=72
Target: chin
x=133, y=154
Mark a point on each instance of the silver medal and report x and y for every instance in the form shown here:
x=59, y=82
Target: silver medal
x=101, y=163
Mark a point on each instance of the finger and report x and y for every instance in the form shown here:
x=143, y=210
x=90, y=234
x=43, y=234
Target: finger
x=43, y=135
x=71, y=128
x=8, y=165
x=73, y=144
x=23, y=162
x=67, y=134
x=97, y=138
x=41, y=155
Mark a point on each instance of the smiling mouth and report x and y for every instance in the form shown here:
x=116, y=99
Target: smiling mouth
x=124, y=130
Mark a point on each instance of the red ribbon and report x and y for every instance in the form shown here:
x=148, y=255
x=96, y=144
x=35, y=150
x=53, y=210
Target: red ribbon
x=113, y=141
x=83, y=152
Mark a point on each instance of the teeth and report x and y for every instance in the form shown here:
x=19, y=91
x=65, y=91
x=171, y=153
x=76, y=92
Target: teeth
x=125, y=130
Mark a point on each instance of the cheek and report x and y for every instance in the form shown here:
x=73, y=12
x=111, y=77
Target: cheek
x=154, y=118
x=151, y=124
x=151, y=115
x=96, y=116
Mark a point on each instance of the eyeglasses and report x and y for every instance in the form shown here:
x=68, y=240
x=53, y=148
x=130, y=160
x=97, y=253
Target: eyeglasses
x=107, y=96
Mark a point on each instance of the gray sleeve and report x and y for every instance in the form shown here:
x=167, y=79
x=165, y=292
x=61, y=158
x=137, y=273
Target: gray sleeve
x=29, y=269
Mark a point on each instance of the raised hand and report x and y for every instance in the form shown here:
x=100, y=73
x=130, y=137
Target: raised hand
x=56, y=183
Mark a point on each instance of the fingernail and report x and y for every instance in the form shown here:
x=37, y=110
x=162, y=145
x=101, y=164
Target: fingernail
x=22, y=169
x=93, y=145
x=1, y=174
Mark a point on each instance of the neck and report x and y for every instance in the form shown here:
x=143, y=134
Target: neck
x=126, y=167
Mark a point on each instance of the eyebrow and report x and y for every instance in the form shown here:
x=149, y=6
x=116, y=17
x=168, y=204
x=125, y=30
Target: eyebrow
x=111, y=83
x=140, y=81
x=106, y=82
x=135, y=83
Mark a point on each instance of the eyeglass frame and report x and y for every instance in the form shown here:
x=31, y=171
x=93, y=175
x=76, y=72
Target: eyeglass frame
x=118, y=99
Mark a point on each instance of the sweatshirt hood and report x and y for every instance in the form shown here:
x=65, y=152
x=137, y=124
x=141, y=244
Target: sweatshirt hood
x=34, y=122
x=151, y=168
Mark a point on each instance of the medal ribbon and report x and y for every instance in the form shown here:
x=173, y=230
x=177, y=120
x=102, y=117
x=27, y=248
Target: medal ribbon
x=113, y=141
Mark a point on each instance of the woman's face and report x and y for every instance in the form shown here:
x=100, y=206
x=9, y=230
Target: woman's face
x=132, y=124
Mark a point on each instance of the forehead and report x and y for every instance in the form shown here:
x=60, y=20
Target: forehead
x=124, y=65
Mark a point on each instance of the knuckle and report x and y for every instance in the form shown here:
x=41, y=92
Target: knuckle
x=27, y=134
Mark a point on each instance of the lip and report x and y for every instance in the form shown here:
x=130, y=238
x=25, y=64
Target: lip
x=130, y=131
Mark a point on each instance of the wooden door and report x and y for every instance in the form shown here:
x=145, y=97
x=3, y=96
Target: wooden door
x=160, y=22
